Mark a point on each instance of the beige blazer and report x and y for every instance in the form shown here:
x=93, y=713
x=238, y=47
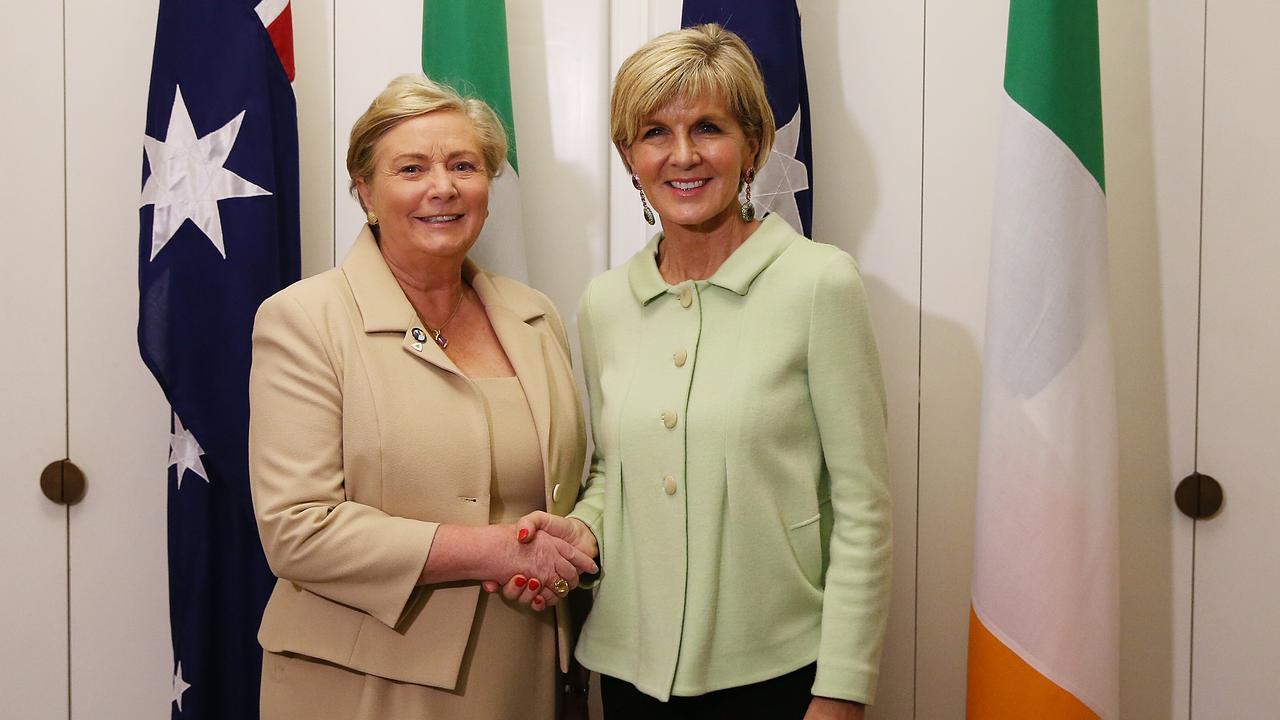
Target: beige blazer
x=363, y=439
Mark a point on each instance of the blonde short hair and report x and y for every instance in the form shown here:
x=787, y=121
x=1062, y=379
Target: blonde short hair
x=700, y=61
x=412, y=95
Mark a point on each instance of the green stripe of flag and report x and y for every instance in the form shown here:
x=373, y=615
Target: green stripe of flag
x=464, y=44
x=1051, y=70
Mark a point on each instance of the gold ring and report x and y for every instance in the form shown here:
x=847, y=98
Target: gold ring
x=560, y=585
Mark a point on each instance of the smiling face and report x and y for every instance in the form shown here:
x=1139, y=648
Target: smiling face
x=429, y=187
x=690, y=155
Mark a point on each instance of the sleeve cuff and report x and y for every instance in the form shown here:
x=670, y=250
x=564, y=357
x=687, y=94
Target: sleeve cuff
x=591, y=518
x=845, y=684
x=401, y=597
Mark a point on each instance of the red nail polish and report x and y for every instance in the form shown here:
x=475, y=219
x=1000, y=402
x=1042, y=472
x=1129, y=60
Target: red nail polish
x=534, y=584
x=522, y=535
x=520, y=581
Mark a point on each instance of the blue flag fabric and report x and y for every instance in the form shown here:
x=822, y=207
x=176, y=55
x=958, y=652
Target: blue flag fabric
x=218, y=234
x=771, y=28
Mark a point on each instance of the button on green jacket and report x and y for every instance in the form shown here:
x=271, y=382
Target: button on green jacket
x=739, y=487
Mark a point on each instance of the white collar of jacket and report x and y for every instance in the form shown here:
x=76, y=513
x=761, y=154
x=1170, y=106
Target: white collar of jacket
x=383, y=305
x=736, y=273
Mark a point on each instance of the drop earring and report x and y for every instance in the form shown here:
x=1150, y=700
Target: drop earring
x=644, y=201
x=748, y=210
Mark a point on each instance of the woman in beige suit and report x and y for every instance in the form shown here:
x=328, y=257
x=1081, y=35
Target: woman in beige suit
x=407, y=407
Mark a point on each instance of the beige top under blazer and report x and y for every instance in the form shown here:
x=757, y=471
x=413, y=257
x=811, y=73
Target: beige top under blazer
x=362, y=439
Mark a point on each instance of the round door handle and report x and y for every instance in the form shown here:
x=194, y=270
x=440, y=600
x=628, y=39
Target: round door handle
x=62, y=482
x=1198, y=496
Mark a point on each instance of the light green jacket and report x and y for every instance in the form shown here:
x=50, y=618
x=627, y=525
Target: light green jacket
x=739, y=487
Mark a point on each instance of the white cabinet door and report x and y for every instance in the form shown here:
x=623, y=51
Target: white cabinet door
x=121, y=658
x=1152, y=55
x=33, y=428
x=1236, y=636
x=118, y=421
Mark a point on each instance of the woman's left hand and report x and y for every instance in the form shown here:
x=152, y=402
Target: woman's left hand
x=822, y=708
x=571, y=530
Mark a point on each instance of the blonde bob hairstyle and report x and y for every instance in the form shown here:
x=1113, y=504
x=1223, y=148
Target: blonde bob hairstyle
x=412, y=95
x=699, y=61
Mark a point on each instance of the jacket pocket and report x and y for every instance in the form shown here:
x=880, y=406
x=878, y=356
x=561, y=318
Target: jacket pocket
x=806, y=544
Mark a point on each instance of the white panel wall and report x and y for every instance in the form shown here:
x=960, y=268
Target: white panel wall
x=866, y=199
x=118, y=421
x=313, y=86
x=1152, y=55
x=964, y=64
x=559, y=86
x=33, y=536
x=118, y=418
x=372, y=43
x=1236, y=649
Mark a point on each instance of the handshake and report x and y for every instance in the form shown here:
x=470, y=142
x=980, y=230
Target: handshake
x=545, y=561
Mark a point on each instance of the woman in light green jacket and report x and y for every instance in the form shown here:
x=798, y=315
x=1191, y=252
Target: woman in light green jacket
x=738, y=491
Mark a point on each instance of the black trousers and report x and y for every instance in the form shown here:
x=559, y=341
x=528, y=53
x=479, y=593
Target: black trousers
x=782, y=698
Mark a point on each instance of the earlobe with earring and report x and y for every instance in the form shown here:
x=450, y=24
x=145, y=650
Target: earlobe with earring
x=748, y=210
x=371, y=217
x=644, y=201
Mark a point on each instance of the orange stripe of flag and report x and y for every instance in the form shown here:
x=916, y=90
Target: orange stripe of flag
x=1002, y=686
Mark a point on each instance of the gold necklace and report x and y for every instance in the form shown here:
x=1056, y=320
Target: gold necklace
x=436, y=333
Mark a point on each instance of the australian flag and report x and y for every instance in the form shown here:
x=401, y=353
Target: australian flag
x=771, y=28
x=219, y=234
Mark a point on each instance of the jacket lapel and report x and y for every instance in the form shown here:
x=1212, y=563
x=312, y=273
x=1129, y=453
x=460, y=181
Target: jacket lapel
x=417, y=342
x=383, y=305
x=384, y=308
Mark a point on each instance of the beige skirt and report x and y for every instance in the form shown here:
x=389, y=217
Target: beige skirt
x=509, y=669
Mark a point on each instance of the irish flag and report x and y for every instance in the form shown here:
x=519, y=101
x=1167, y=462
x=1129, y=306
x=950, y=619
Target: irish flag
x=1043, y=632
x=464, y=44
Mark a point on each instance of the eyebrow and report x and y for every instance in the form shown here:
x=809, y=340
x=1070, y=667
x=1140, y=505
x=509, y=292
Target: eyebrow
x=401, y=157
x=715, y=117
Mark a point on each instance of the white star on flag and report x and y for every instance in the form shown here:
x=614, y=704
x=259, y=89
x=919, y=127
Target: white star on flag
x=185, y=452
x=188, y=178
x=782, y=176
x=179, y=686
x=269, y=10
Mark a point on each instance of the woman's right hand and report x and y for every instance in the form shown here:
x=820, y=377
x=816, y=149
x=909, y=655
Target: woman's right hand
x=569, y=529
